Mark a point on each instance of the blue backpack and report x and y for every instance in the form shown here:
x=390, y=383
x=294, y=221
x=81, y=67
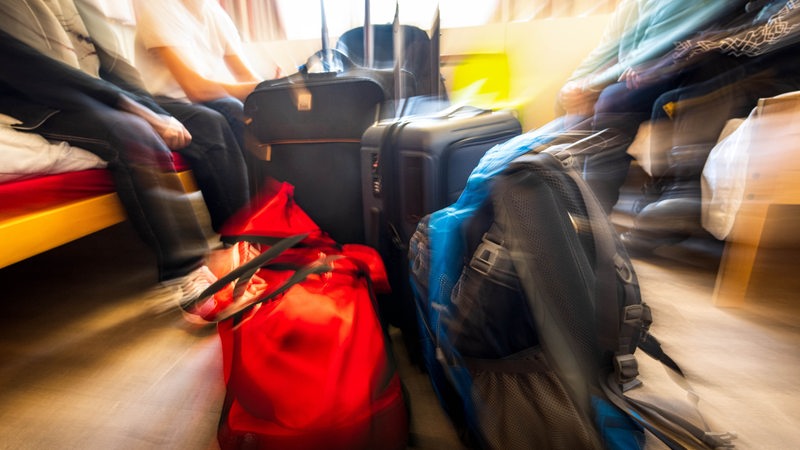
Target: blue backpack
x=530, y=311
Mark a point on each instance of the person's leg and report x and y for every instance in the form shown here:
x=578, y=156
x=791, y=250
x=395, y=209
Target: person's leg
x=698, y=114
x=232, y=110
x=215, y=158
x=619, y=110
x=145, y=179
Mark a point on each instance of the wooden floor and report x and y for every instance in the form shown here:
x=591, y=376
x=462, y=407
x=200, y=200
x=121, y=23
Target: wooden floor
x=88, y=364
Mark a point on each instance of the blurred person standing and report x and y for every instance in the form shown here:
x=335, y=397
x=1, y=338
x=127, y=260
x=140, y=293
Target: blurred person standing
x=50, y=82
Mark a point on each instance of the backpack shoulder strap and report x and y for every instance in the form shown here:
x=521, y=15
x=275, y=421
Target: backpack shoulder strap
x=619, y=325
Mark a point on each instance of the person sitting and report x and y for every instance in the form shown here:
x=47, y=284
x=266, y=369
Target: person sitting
x=214, y=154
x=51, y=83
x=603, y=94
x=190, y=50
x=751, y=60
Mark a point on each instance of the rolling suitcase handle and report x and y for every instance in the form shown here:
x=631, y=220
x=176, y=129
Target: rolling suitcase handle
x=325, y=38
x=369, y=38
x=436, y=70
x=328, y=59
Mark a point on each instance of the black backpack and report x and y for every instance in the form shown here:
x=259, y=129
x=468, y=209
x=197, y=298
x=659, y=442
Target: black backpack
x=535, y=348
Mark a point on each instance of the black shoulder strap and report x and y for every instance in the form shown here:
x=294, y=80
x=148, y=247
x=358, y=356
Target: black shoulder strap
x=619, y=334
x=652, y=347
x=245, y=272
x=606, y=264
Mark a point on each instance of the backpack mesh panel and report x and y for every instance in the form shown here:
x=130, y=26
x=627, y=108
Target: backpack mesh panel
x=573, y=202
x=527, y=410
x=563, y=270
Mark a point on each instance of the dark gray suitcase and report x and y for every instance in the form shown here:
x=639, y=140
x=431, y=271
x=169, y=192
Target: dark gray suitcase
x=410, y=167
x=414, y=165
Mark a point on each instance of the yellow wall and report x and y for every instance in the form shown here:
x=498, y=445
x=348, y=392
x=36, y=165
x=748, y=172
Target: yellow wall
x=541, y=54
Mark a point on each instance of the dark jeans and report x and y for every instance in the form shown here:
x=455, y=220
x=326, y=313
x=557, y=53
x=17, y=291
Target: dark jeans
x=621, y=110
x=232, y=109
x=215, y=157
x=145, y=179
x=702, y=109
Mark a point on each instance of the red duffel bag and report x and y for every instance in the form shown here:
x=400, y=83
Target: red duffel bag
x=307, y=364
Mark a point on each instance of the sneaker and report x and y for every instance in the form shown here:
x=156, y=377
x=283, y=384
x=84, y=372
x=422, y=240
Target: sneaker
x=223, y=262
x=183, y=291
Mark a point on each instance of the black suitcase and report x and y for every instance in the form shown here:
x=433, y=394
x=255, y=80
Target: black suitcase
x=306, y=129
x=414, y=165
x=410, y=167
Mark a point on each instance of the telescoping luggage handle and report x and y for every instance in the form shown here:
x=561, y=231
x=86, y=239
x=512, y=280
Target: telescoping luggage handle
x=399, y=56
x=245, y=272
x=327, y=55
x=369, y=37
x=327, y=61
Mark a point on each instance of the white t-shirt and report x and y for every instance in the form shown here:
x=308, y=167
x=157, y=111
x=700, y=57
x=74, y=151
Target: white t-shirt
x=54, y=28
x=199, y=30
x=112, y=25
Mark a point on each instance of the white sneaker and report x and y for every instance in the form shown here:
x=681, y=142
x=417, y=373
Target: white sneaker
x=193, y=284
x=182, y=291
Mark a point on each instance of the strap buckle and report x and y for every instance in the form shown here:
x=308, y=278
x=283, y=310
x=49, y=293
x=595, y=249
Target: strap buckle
x=626, y=369
x=640, y=317
x=633, y=315
x=492, y=261
x=486, y=256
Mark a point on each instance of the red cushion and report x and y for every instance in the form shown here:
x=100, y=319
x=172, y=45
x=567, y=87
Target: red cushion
x=42, y=191
x=180, y=162
x=38, y=192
